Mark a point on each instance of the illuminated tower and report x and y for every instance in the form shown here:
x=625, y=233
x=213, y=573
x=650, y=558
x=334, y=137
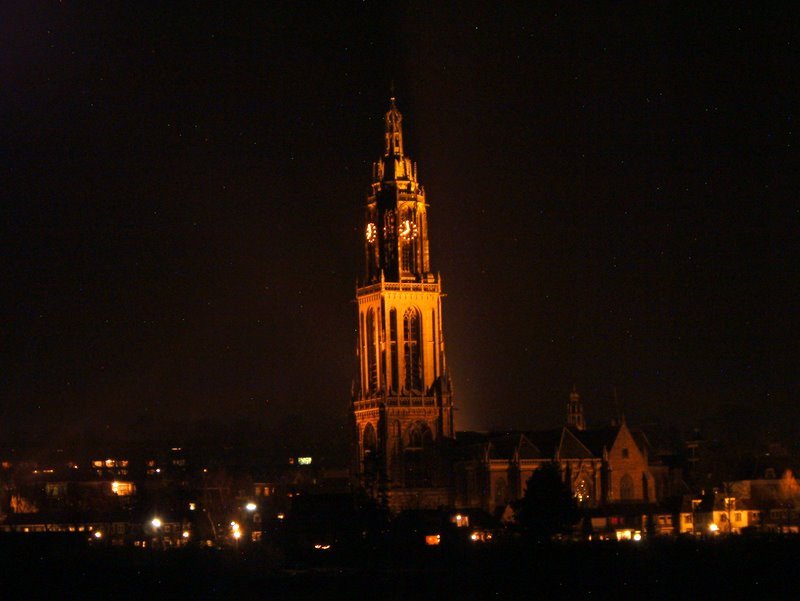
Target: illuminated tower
x=402, y=400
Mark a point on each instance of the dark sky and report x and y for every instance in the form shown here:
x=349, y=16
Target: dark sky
x=611, y=205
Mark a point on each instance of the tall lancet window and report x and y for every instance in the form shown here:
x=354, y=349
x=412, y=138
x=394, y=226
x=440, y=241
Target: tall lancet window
x=407, y=256
x=372, y=352
x=393, y=349
x=412, y=333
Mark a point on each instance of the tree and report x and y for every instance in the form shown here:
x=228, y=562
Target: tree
x=548, y=507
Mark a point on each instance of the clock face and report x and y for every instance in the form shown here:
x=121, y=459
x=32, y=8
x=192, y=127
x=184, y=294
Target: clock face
x=408, y=230
x=371, y=233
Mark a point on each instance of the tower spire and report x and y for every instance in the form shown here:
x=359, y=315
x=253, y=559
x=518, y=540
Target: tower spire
x=394, y=130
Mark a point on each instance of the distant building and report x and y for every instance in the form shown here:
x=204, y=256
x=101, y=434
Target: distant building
x=491, y=470
x=601, y=466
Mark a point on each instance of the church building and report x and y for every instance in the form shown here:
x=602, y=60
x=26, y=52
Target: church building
x=406, y=453
x=402, y=403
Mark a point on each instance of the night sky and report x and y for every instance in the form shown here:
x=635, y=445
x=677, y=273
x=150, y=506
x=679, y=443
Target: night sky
x=610, y=190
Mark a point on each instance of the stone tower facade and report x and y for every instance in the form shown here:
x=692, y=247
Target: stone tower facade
x=402, y=400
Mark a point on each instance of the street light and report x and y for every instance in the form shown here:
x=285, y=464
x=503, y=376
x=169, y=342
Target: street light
x=156, y=524
x=251, y=506
x=237, y=533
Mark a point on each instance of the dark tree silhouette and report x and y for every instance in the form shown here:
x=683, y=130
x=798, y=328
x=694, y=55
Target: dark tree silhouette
x=548, y=507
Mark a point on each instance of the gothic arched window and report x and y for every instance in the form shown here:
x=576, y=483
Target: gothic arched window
x=393, y=349
x=626, y=488
x=408, y=263
x=412, y=334
x=501, y=493
x=407, y=256
x=583, y=492
x=418, y=455
x=372, y=352
x=369, y=445
x=369, y=439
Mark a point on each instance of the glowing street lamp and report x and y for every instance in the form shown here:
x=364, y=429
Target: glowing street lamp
x=236, y=533
x=156, y=524
x=251, y=506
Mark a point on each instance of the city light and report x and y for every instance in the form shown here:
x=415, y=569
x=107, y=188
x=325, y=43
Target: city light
x=155, y=523
x=713, y=527
x=480, y=536
x=98, y=534
x=185, y=534
x=461, y=521
x=251, y=506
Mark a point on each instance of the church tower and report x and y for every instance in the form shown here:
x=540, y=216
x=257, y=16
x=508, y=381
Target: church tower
x=575, y=410
x=402, y=400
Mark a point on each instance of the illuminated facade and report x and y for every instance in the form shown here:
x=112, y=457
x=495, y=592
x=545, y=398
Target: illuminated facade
x=602, y=467
x=402, y=401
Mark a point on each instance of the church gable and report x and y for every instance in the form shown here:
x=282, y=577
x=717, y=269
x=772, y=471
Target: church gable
x=527, y=450
x=512, y=447
x=626, y=448
x=630, y=478
x=572, y=448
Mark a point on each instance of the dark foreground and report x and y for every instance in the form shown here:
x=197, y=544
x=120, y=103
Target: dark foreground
x=737, y=568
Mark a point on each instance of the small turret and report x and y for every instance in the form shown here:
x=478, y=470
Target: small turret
x=575, y=410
